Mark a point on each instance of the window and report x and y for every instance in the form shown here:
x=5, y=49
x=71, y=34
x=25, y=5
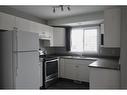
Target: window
x=84, y=40
x=77, y=40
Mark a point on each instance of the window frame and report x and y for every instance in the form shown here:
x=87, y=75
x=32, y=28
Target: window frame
x=98, y=39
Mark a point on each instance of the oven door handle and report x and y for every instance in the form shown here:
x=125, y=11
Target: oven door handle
x=52, y=60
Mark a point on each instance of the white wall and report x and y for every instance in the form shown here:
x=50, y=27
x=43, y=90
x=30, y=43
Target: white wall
x=78, y=18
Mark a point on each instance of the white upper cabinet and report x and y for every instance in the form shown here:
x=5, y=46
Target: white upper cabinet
x=112, y=21
x=35, y=27
x=23, y=24
x=10, y=22
x=7, y=22
x=58, y=37
x=44, y=31
x=23, y=38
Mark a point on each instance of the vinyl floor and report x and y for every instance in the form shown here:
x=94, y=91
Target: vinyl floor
x=68, y=84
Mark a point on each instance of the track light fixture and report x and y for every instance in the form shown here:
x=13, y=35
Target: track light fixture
x=54, y=10
x=61, y=7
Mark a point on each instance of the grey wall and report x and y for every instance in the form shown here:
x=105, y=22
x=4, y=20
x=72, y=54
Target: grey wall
x=17, y=13
x=78, y=18
x=123, y=54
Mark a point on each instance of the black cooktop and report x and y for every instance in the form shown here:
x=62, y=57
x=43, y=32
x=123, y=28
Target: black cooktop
x=46, y=57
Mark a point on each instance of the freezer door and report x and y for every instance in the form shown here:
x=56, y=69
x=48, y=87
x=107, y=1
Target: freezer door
x=28, y=71
x=27, y=41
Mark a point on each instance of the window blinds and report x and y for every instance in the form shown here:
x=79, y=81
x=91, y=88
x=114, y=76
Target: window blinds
x=85, y=40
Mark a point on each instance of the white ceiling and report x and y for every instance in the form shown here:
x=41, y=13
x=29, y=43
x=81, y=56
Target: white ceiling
x=46, y=12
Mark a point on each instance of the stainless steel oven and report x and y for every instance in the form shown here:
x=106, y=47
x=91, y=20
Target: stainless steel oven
x=50, y=71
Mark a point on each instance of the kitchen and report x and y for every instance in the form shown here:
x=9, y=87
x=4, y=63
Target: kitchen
x=80, y=47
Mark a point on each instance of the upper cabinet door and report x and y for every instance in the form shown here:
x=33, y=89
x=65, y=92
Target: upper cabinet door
x=46, y=32
x=23, y=24
x=35, y=27
x=58, y=38
x=112, y=22
x=43, y=30
x=27, y=41
x=7, y=22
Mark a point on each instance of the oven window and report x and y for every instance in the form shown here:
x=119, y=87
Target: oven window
x=51, y=67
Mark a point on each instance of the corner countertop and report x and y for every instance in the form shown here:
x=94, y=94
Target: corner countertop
x=106, y=64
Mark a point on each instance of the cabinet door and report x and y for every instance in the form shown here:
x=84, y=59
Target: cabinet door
x=70, y=69
x=23, y=24
x=7, y=22
x=104, y=78
x=83, y=70
x=46, y=32
x=58, y=37
x=83, y=73
x=112, y=21
x=61, y=68
x=27, y=41
x=35, y=27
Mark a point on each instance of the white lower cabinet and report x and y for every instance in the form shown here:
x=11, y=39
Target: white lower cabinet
x=61, y=68
x=74, y=69
x=104, y=78
x=83, y=72
x=70, y=71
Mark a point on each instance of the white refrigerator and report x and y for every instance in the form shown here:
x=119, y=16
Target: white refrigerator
x=20, y=66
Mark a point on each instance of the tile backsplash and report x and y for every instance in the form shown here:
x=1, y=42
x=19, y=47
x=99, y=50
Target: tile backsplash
x=108, y=52
x=103, y=51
